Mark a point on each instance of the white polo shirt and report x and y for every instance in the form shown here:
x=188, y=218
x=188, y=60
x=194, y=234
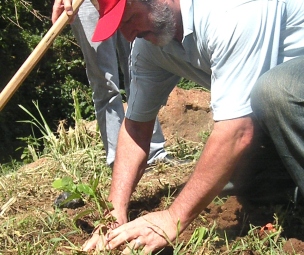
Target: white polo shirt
x=227, y=46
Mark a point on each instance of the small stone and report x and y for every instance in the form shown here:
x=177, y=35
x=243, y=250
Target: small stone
x=71, y=204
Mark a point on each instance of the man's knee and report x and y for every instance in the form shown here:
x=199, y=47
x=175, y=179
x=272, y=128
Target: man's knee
x=264, y=94
x=278, y=87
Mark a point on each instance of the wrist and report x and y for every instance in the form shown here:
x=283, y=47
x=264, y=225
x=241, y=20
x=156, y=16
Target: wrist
x=119, y=205
x=120, y=216
x=177, y=218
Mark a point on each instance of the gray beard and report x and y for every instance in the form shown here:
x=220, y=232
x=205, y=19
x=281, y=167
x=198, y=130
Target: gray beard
x=163, y=22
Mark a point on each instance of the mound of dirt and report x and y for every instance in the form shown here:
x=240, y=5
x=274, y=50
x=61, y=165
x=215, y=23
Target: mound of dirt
x=187, y=114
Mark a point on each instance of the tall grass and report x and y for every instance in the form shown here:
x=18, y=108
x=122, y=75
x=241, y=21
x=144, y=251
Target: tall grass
x=60, y=143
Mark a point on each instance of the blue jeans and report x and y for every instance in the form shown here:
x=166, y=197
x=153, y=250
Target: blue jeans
x=102, y=62
x=277, y=101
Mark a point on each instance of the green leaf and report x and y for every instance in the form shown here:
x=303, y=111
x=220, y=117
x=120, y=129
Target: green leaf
x=56, y=240
x=82, y=214
x=94, y=184
x=66, y=184
x=106, y=205
x=57, y=184
x=86, y=189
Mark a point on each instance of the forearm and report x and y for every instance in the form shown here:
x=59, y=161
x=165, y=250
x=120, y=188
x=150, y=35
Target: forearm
x=130, y=163
x=224, y=148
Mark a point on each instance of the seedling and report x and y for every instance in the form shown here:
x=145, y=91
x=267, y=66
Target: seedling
x=84, y=191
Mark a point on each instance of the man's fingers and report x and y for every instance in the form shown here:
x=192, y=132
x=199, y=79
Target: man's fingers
x=91, y=243
x=133, y=245
x=68, y=7
x=57, y=10
x=60, y=6
x=97, y=240
x=121, y=235
x=85, y=247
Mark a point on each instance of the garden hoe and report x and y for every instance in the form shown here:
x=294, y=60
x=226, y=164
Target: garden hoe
x=35, y=56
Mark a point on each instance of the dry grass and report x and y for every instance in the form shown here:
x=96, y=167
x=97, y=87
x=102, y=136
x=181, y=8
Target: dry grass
x=29, y=224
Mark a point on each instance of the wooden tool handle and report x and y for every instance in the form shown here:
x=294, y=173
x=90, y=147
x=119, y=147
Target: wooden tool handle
x=35, y=56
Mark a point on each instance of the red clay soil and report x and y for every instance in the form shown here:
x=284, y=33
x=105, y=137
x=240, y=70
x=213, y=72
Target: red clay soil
x=187, y=114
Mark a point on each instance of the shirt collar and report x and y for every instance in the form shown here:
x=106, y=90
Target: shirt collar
x=186, y=7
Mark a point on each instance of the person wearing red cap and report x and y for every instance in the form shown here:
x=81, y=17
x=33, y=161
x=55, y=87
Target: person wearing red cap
x=102, y=72
x=250, y=55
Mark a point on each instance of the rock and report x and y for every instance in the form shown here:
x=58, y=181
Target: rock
x=71, y=204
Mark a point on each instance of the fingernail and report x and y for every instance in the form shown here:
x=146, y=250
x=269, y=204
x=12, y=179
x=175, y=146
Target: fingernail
x=70, y=12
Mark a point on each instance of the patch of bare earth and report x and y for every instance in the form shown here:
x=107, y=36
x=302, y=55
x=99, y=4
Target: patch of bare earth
x=187, y=115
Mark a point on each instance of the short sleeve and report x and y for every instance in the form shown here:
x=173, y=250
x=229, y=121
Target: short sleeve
x=150, y=84
x=243, y=44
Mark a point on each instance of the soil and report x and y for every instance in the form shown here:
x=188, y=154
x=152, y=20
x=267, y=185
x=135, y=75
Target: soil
x=187, y=115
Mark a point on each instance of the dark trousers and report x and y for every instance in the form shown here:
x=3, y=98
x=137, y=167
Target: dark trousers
x=277, y=101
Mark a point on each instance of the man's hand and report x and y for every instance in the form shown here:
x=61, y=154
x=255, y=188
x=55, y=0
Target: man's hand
x=60, y=6
x=150, y=232
x=97, y=240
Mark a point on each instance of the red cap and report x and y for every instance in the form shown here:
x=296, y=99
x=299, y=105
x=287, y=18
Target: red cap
x=111, y=12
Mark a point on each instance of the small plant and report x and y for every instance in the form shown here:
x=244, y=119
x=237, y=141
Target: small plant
x=220, y=200
x=187, y=84
x=82, y=190
x=201, y=238
x=204, y=136
x=184, y=149
x=262, y=240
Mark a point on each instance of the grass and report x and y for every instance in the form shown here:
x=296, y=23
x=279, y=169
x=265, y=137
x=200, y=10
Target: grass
x=73, y=160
